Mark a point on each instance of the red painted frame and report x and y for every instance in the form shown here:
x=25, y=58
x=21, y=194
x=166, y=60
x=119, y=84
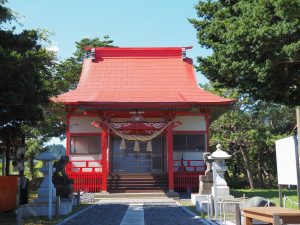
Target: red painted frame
x=178, y=180
x=90, y=181
x=104, y=159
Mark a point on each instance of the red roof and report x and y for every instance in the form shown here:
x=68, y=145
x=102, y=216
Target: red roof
x=139, y=75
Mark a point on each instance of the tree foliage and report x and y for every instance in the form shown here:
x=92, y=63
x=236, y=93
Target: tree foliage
x=25, y=71
x=255, y=44
x=248, y=132
x=68, y=71
x=66, y=76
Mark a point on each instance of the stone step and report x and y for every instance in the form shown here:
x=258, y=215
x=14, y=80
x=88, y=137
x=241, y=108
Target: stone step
x=126, y=195
x=137, y=183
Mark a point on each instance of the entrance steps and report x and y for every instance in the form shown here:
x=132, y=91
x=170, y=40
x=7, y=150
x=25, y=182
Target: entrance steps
x=137, y=183
x=135, y=197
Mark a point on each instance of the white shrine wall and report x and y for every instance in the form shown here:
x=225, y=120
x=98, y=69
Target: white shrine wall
x=82, y=124
x=191, y=123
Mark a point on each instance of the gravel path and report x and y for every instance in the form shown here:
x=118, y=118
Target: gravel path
x=167, y=214
x=102, y=214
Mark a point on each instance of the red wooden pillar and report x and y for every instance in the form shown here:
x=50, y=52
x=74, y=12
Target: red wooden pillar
x=104, y=159
x=170, y=158
x=207, y=122
x=68, y=135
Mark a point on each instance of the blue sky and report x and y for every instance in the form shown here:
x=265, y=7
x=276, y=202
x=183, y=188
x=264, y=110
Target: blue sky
x=131, y=23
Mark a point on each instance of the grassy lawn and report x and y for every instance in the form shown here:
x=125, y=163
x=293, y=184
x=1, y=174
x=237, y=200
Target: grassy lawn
x=187, y=204
x=271, y=194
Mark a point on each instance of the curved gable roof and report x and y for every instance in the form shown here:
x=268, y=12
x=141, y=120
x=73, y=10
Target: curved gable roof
x=139, y=75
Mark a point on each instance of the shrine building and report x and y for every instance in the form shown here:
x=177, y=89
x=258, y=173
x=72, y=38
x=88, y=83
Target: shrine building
x=138, y=121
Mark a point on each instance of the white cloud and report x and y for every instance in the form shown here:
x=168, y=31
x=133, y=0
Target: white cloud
x=53, y=47
x=56, y=141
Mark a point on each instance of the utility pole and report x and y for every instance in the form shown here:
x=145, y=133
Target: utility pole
x=297, y=160
x=298, y=126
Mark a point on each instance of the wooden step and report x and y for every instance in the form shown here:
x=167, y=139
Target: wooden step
x=137, y=182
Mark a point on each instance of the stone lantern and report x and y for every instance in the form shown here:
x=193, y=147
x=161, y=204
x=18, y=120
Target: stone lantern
x=47, y=191
x=220, y=188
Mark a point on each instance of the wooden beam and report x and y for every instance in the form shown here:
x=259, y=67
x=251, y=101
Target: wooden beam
x=170, y=157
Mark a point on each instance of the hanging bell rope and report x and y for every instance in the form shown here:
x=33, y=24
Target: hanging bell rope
x=133, y=137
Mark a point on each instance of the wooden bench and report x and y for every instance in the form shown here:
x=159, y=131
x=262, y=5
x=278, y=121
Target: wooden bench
x=272, y=215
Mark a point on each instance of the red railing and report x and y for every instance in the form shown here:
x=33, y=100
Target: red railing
x=186, y=174
x=87, y=175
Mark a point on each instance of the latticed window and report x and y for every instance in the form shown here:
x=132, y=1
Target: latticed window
x=189, y=142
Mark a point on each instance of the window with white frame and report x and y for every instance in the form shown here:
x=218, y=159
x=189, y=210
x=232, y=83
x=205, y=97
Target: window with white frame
x=85, y=144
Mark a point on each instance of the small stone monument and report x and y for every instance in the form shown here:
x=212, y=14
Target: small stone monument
x=218, y=157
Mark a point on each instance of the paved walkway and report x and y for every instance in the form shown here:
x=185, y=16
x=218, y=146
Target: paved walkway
x=135, y=212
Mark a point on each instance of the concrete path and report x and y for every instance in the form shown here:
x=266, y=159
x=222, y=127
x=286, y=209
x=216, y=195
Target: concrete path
x=135, y=212
x=134, y=215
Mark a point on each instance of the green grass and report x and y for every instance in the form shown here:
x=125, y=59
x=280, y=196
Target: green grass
x=187, y=204
x=271, y=194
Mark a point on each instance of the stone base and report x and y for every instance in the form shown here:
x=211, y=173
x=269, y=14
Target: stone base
x=35, y=209
x=198, y=197
x=66, y=206
x=41, y=209
x=172, y=194
x=222, y=191
x=201, y=202
x=205, y=184
x=43, y=200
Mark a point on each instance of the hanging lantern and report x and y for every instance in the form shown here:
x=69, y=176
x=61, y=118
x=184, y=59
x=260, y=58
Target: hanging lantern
x=123, y=144
x=149, y=146
x=136, y=147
